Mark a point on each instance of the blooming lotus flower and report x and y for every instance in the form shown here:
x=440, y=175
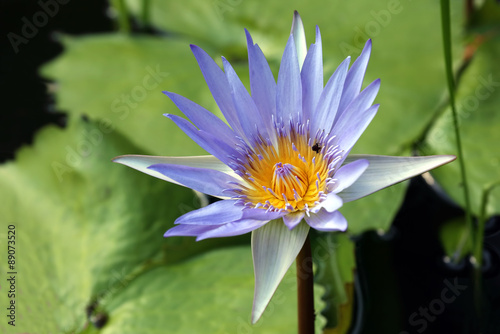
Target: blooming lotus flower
x=282, y=165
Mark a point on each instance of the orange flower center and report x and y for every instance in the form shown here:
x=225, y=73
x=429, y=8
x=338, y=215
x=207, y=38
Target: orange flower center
x=290, y=175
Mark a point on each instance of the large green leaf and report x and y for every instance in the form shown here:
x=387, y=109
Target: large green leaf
x=84, y=225
x=209, y=294
x=478, y=98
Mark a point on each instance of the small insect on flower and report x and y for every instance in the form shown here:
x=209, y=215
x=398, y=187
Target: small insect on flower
x=282, y=165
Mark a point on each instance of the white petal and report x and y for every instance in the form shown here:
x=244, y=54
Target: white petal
x=142, y=162
x=274, y=248
x=299, y=37
x=327, y=221
x=331, y=203
x=385, y=171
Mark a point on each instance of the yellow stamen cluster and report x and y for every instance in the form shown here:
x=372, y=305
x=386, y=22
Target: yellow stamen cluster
x=289, y=175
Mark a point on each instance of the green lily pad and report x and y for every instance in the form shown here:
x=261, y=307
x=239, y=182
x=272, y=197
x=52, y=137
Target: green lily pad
x=85, y=225
x=192, y=297
x=211, y=293
x=477, y=100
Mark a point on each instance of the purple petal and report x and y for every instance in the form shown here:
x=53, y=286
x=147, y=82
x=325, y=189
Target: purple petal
x=142, y=162
x=217, y=213
x=204, y=180
x=289, y=89
x=348, y=174
x=355, y=77
x=327, y=221
x=312, y=78
x=349, y=135
x=248, y=114
x=362, y=102
x=262, y=214
x=293, y=219
x=232, y=229
x=329, y=100
x=262, y=83
x=219, y=87
x=385, y=171
x=274, y=248
x=354, y=120
x=189, y=230
x=210, y=143
x=203, y=118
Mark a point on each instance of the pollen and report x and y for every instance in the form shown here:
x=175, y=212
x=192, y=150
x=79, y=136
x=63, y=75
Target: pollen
x=289, y=173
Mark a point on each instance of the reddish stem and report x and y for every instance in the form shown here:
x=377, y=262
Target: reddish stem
x=305, y=289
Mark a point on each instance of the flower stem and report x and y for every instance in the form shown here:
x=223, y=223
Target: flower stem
x=445, y=21
x=477, y=252
x=305, y=289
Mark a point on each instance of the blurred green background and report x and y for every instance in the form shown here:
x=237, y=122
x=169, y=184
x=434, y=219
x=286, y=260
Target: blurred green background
x=82, y=84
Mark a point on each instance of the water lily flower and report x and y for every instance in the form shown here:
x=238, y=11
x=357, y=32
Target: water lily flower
x=282, y=165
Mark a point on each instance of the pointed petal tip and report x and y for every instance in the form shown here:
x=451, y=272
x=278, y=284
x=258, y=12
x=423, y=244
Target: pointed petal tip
x=117, y=159
x=256, y=316
x=447, y=158
x=249, y=38
x=451, y=157
x=317, y=40
x=296, y=14
x=273, y=238
x=368, y=47
x=385, y=171
x=296, y=22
